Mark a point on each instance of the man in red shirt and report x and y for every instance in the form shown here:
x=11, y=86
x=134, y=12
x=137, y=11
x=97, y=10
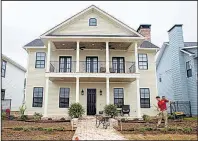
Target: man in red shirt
x=163, y=110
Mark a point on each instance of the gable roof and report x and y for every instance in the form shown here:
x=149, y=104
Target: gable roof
x=98, y=10
x=35, y=42
x=166, y=44
x=148, y=44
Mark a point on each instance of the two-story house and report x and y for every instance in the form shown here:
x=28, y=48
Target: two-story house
x=13, y=77
x=177, y=69
x=94, y=59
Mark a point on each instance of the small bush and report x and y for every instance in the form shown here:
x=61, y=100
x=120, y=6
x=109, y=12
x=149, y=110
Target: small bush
x=26, y=129
x=111, y=110
x=142, y=130
x=12, y=117
x=48, y=129
x=172, y=129
x=76, y=110
x=37, y=116
x=23, y=117
x=146, y=118
x=60, y=129
x=123, y=120
x=62, y=119
x=49, y=118
x=17, y=128
x=148, y=129
x=187, y=129
x=3, y=115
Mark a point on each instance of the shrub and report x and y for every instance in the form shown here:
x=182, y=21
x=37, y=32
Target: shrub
x=12, y=117
x=62, y=119
x=146, y=118
x=122, y=119
x=48, y=129
x=40, y=128
x=17, y=128
x=37, y=116
x=111, y=110
x=23, y=117
x=148, y=129
x=3, y=115
x=60, y=129
x=187, y=129
x=142, y=130
x=22, y=113
x=76, y=110
x=26, y=129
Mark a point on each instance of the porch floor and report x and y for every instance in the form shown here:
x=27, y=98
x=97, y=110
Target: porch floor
x=86, y=130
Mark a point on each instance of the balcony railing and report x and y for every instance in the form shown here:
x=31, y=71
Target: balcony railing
x=92, y=67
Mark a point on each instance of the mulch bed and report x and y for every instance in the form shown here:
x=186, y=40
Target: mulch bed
x=9, y=134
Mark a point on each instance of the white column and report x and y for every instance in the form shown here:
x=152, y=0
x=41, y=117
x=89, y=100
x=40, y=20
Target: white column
x=107, y=57
x=107, y=90
x=77, y=56
x=138, y=98
x=77, y=89
x=136, y=58
x=48, y=56
x=46, y=96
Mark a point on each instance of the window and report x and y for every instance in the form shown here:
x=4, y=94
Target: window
x=144, y=98
x=2, y=94
x=40, y=60
x=3, y=68
x=92, y=22
x=188, y=69
x=143, y=61
x=37, y=97
x=160, y=79
x=64, y=98
x=119, y=97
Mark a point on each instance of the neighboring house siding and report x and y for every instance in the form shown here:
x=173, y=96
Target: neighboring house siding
x=13, y=83
x=192, y=84
x=35, y=78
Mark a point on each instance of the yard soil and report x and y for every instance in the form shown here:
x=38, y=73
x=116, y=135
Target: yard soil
x=10, y=134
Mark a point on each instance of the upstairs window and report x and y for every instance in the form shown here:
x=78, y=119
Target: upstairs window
x=92, y=22
x=3, y=68
x=40, y=60
x=188, y=69
x=2, y=94
x=143, y=61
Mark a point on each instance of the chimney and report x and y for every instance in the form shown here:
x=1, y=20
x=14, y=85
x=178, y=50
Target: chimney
x=145, y=30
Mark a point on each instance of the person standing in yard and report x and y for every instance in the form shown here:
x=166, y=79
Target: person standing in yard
x=162, y=111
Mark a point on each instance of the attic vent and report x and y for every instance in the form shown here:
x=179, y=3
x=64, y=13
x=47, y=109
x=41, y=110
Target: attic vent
x=92, y=22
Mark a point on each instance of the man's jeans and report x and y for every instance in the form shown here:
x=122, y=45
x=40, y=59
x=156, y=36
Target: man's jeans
x=164, y=115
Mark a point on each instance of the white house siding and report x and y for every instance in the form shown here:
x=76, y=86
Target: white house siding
x=192, y=84
x=165, y=87
x=13, y=83
x=35, y=78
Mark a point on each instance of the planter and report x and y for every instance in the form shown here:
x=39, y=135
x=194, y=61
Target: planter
x=74, y=122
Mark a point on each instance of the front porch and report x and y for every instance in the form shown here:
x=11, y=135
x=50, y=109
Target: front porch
x=93, y=94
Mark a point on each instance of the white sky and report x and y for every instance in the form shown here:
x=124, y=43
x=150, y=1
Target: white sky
x=24, y=21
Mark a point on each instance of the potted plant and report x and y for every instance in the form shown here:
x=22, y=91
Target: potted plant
x=111, y=110
x=75, y=111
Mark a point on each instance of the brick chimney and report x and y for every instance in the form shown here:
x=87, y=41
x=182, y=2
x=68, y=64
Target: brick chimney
x=145, y=30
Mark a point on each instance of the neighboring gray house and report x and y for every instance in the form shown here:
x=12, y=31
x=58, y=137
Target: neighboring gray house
x=177, y=69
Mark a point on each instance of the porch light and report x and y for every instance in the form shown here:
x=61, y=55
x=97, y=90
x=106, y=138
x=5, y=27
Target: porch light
x=100, y=92
x=82, y=92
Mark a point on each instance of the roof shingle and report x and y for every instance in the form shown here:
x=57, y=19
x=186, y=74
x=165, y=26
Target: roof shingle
x=36, y=42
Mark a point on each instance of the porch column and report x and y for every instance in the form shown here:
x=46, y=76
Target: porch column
x=107, y=90
x=107, y=57
x=77, y=89
x=136, y=58
x=48, y=56
x=138, y=98
x=46, y=96
x=77, y=56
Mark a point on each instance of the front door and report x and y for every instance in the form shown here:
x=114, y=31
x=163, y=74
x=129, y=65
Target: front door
x=118, y=64
x=91, y=64
x=91, y=101
x=65, y=64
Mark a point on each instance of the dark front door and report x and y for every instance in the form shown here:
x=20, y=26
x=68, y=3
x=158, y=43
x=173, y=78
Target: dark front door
x=91, y=64
x=65, y=64
x=91, y=101
x=118, y=64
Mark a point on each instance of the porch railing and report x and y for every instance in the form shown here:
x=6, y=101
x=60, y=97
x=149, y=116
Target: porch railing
x=92, y=67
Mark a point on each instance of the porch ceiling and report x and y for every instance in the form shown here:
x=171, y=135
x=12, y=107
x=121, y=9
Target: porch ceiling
x=121, y=79
x=65, y=79
x=92, y=45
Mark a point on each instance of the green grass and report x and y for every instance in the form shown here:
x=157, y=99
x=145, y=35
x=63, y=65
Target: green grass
x=191, y=118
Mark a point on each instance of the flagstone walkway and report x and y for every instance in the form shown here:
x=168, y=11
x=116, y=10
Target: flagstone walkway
x=87, y=130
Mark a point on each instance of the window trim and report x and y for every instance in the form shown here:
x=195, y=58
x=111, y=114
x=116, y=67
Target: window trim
x=143, y=61
x=40, y=60
x=64, y=97
x=188, y=69
x=1, y=94
x=3, y=68
x=145, y=98
x=37, y=97
x=118, y=98
x=94, y=22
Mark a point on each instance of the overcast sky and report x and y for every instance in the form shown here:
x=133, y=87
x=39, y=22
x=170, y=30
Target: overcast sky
x=25, y=21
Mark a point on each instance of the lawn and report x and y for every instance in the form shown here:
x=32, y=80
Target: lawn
x=21, y=130
x=177, y=130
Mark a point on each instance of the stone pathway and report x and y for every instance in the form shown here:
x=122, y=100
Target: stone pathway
x=87, y=130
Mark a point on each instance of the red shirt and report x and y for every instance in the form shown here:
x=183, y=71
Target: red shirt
x=162, y=104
